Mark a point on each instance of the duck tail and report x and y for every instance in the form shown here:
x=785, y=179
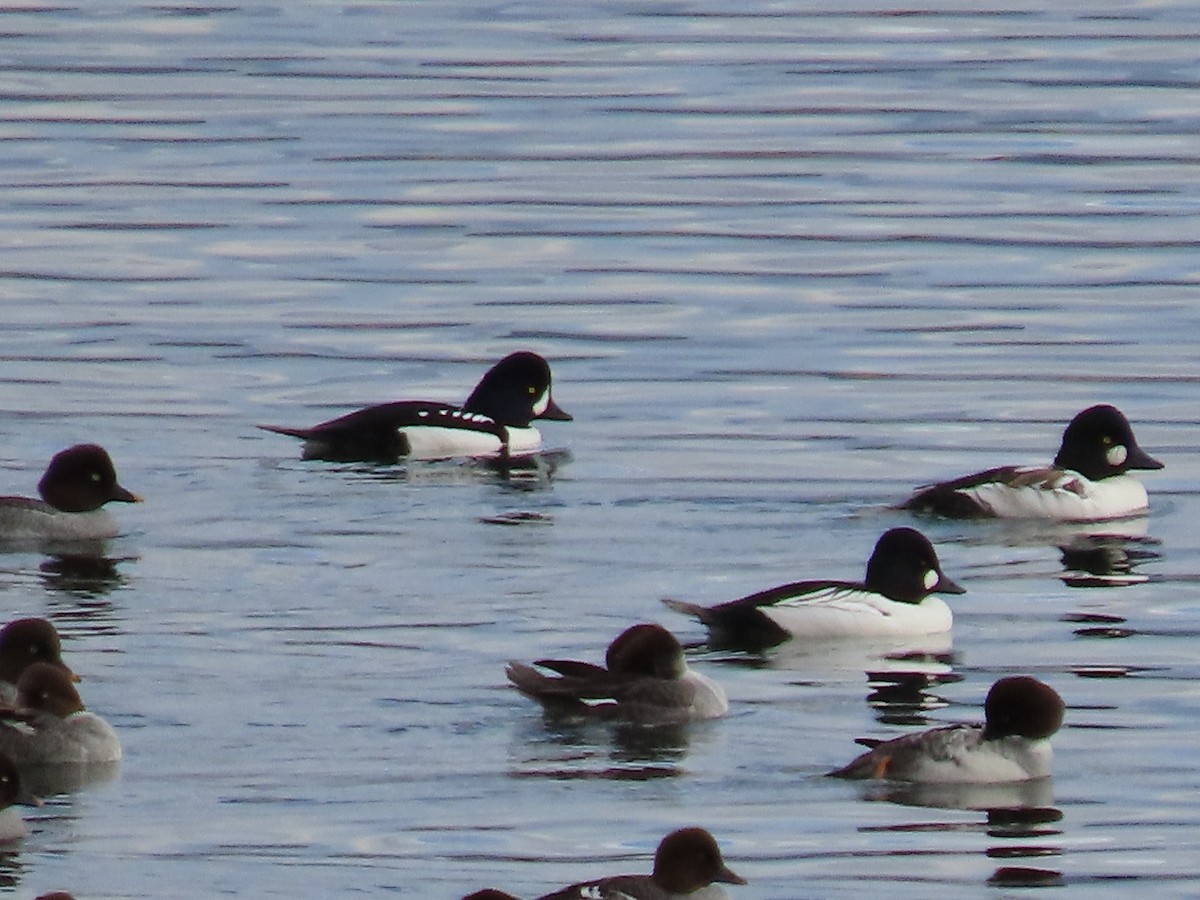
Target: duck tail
x=703, y=613
x=302, y=433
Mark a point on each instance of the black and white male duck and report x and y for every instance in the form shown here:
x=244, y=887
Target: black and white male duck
x=1089, y=480
x=493, y=423
x=895, y=598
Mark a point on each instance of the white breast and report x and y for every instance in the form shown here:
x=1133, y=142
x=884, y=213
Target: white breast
x=95, y=739
x=44, y=522
x=428, y=443
x=81, y=737
x=709, y=701
x=1069, y=498
x=986, y=762
x=523, y=441
x=839, y=612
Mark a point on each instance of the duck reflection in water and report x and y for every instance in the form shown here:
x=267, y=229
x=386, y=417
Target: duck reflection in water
x=1025, y=877
x=69, y=778
x=906, y=697
x=82, y=574
x=1018, y=811
x=528, y=473
x=1012, y=808
x=605, y=751
x=1106, y=560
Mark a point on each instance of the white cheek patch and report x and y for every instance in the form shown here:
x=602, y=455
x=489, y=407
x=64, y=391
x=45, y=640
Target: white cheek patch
x=930, y=580
x=1116, y=454
x=539, y=405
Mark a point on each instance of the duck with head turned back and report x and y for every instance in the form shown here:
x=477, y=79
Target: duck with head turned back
x=894, y=598
x=77, y=483
x=645, y=680
x=493, y=423
x=1089, y=480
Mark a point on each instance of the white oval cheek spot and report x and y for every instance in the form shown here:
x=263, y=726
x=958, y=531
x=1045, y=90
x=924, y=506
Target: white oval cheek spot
x=1116, y=454
x=931, y=579
x=539, y=405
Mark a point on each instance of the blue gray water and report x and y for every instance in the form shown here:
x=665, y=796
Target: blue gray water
x=787, y=260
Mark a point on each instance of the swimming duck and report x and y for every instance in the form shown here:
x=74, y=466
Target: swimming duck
x=895, y=598
x=1020, y=712
x=687, y=864
x=1089, y=480
x=494, y=422
x=49, y=724
x=645, y=680
x=77, y=483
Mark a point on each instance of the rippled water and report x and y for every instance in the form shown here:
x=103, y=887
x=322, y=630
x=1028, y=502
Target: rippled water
x=787, y=260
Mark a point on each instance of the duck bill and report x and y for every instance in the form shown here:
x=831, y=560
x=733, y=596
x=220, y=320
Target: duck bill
x=123, y=496
x=1140, y=459
x=728, y=876
x=26, y=798
x=946, y=586
x=556, y=413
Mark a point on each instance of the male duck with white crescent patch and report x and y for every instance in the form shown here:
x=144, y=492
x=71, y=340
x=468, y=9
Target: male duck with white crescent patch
x=687, y=866
x=645, y=680
x=493, y=423
x=77, y=483
x=1088, y=482
x=1021, y=714
x=895, y=598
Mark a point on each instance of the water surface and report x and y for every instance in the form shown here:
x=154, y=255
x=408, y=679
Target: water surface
x=787, y=260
